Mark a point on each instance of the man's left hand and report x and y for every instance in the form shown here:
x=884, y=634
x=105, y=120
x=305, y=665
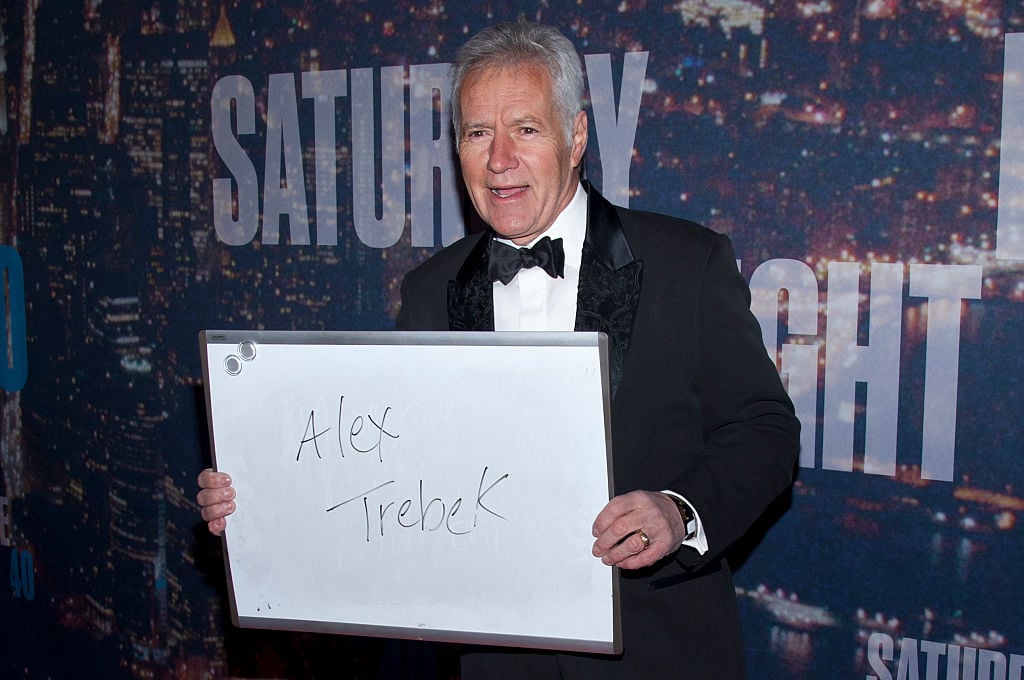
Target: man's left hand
x=621, y=526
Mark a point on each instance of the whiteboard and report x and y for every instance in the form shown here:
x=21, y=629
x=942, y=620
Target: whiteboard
x=422, y=485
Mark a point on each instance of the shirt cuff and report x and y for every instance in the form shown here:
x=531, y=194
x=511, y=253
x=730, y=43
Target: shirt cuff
x=700, y=541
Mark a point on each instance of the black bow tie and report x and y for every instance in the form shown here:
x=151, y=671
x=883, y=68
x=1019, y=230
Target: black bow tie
x=506, y=261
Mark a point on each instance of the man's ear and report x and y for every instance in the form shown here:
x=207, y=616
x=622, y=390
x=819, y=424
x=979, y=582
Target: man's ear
x=579, y=138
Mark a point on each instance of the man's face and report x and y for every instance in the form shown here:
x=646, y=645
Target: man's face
x=516, y=162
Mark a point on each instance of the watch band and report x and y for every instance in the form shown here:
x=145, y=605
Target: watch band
x=687, y=515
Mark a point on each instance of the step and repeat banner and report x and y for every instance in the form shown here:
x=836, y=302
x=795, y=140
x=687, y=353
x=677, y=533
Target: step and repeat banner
x=172, y=166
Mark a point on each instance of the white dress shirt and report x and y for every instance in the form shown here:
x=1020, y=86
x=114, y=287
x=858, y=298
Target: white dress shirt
x=534, y=301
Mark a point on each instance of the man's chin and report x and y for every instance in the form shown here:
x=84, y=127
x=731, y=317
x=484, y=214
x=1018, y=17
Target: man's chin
x=509, y=228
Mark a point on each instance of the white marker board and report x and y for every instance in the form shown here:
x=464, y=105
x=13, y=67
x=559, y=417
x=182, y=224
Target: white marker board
x=433, y=486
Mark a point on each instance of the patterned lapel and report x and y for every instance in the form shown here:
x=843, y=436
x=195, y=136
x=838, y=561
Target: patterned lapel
x=470, y=303
x=610, y=279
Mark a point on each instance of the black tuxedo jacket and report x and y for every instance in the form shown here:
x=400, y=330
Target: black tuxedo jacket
x=697, y=407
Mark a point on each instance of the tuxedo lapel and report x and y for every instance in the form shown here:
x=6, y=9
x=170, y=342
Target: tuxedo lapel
x=470, y=299
x=610, y=279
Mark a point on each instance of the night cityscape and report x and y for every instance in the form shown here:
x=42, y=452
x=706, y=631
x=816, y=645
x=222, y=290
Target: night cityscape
x=837, y=130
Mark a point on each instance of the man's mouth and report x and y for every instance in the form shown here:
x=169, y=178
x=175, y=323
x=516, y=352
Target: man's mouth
x=509, y=192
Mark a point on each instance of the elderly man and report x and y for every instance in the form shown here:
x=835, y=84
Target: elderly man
x=703, y=433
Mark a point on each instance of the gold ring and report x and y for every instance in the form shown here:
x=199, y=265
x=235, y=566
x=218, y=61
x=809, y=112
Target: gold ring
x=644, y=538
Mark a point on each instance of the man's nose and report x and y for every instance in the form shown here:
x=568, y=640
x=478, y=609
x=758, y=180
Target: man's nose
x=502, y=155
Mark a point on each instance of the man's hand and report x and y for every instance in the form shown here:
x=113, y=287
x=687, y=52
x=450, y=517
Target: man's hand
x=619, y=528
x=216, y=498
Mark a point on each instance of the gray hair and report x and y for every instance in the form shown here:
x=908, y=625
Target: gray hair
x=512, y=44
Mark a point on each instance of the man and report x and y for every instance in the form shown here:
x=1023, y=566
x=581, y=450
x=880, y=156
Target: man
x=703, y=434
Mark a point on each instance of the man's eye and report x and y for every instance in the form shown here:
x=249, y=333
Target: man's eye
x=528, y=130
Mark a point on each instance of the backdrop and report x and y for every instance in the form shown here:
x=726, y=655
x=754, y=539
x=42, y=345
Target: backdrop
x=170, y=166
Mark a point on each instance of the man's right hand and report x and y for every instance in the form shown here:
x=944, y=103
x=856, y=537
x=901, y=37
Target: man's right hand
x=216, y=497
